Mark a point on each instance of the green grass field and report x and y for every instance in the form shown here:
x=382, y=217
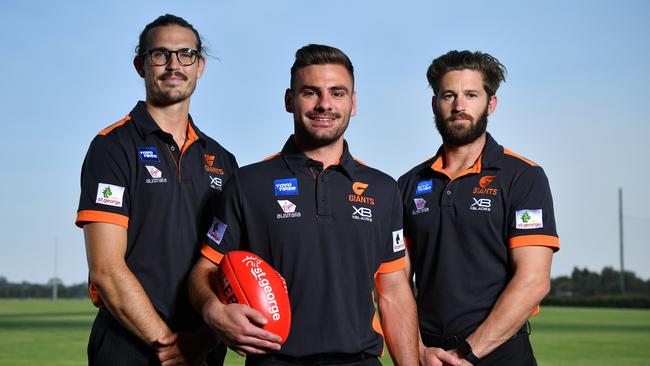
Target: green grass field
x=43, y=332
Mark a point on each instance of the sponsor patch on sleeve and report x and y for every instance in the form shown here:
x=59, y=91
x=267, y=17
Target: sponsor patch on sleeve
x=425, y=186
x=398, y=240
x=286, y=187
x=110, y=195
x=529, y=219
x=217, y=229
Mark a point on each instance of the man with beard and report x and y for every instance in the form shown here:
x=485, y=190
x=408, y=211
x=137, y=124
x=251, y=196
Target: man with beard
x=331, y=226
x=479, y=225
x=147, y=184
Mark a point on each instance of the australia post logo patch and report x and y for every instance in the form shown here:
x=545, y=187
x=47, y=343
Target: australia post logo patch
x=109, y=194
x=286, y=187
x=425, y=186
x=529, y=219
x=148, y=154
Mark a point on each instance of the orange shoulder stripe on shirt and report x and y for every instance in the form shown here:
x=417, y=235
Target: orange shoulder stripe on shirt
x=359, y=161
x=211, y=254
x=272, y=156
x=87, y=216
x=110, y=128
x=530, y=240
x=508, y=152
x=392, y=266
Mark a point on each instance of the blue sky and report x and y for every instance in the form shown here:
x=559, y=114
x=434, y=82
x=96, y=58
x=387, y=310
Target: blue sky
x=574, y=102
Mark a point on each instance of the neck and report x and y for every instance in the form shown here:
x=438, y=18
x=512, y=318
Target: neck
x=172, y=119
x=328, y=154
x=459, y=158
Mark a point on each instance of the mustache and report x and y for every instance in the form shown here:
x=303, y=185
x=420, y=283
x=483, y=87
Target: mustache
x=461, y=115
x=173, y=73
x=321, y=115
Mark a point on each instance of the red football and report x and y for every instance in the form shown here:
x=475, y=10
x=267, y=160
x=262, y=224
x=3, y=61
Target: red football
x=247, y=279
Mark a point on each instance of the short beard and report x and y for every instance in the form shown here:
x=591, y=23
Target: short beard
x=313, y=140
x=455, y=137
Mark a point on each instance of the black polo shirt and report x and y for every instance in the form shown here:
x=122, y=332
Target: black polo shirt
x=134, y=175
x=459, y=233
x=328, y=232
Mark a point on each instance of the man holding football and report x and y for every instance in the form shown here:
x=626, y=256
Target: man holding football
x=331, y=226
x=479, y=224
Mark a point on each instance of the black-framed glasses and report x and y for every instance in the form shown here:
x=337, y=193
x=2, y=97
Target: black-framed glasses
x=161, y=56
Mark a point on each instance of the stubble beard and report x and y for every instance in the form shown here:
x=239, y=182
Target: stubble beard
x=315, y=137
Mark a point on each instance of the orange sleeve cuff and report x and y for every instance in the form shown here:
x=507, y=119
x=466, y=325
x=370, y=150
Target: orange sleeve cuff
x=211, y=254
x=530, y=240
x=86, y=216
x=392, y=266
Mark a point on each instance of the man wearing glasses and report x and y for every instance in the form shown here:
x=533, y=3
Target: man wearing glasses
x=147, y=185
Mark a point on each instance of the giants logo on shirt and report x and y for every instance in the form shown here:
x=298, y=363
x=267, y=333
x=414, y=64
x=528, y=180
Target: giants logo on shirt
x=359, y=189
x=209, y=162
x=484, y=184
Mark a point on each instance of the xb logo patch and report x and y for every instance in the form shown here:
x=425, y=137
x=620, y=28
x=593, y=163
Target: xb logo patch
x=362, y=213
x=481, y=204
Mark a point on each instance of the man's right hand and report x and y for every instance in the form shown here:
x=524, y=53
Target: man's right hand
x=240, y=327
x=432, y=356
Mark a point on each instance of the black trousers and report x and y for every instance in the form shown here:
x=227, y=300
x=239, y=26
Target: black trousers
x=323, y=359
x=111, y=344
x=516, y=351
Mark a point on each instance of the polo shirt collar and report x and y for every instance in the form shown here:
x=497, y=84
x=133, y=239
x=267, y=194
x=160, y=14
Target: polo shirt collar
x=296, y=159
x=491, y=157
x=146, y=125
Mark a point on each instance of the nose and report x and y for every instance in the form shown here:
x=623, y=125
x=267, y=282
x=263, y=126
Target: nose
x=173, y=63
x=459, y=104
x=324, y=102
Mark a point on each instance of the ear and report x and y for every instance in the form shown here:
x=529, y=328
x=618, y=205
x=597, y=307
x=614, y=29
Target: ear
x=354, y=104
x=288, y=95
x=201, y=62
x=139, y=65
x=433, y=104
x=492, y=104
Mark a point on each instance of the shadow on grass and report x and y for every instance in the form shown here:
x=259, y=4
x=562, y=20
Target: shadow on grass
x=591, y=328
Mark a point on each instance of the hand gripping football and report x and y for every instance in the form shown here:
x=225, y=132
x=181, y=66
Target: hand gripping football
x=245, y=278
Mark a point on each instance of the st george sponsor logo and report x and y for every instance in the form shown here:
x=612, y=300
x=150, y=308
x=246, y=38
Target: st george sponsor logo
x=481, y=204
x=425, y=186
x=217, y=230
x=259, y=275
x=215, y=182
x=209, y=162
x=359, y=189
x=362, y=213
x=420, y=206
x=110, y=195
x=289, y=209
x=148, y=154
x=529, y=219
x=398, y=240
x=286, y=187
x=156, y=175
x=484, y=184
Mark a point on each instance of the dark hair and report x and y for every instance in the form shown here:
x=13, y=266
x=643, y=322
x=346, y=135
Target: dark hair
x=316, y=54
x=165, y=20
x=493, y=71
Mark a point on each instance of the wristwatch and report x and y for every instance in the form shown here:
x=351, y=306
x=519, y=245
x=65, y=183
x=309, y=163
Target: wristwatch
x=465, y=350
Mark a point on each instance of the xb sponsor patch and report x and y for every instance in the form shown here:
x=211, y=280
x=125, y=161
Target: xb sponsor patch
x=481, y=204
x=286, y=187
x=110, y=195
x=398, y=240
x=362, y=213
x=420, y=206
x=529, y=219
x=288, y=209
x=156, y=175
x=148, y=154
x=425, y=186
x=215, y=182
x=217, y=229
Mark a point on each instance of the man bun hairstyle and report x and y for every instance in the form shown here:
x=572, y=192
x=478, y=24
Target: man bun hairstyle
x=493, y=71
x=165, y=20
x=316, y=54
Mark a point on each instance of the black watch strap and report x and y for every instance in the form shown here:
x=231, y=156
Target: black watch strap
x=465, y=350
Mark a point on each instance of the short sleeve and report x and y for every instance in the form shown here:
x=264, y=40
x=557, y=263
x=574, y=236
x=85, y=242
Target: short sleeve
x=531, y=216
x=104, y=184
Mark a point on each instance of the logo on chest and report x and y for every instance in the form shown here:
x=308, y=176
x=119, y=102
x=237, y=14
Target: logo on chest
x=156, y=175
x=288, y=209
x=215, y=182
x=481, y=204
x=484, y=186
x=359, y=189
x=420, y=206
x=286, y=187
x=209, y=165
